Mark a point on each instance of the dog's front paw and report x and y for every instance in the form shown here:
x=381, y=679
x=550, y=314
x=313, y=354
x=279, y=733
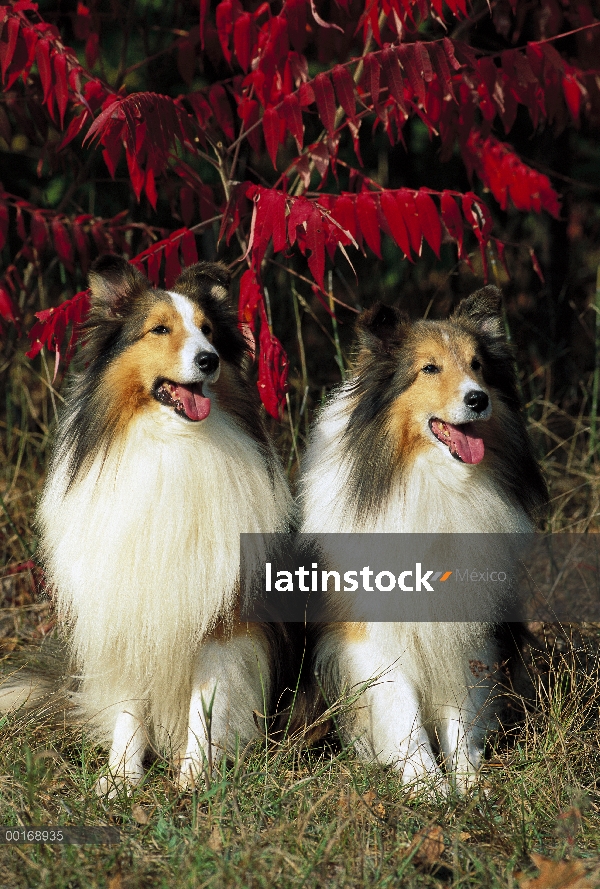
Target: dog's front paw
x=111, y=786
x=191, y=774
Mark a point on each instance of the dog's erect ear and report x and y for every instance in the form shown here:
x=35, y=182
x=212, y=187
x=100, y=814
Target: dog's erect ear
x=482, y=310
x=381, y=326
x=205, y=278
x=115, y=285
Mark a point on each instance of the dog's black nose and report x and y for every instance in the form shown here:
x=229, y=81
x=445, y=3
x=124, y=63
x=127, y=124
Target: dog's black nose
x=477, y=400
x=208, y=362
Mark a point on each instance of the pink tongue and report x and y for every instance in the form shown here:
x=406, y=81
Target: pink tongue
x=469, y=448
x=195, y=405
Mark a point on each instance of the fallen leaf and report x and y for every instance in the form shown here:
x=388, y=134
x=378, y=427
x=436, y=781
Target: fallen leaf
x=464, y=835
x=429, y=845
x=116, y=881
x=356, y=803
x=379, y=809
x=140, y=814
x=555, y=875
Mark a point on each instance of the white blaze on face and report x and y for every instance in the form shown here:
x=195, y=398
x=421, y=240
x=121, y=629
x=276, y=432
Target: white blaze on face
x=195, y=342
x=463, y=410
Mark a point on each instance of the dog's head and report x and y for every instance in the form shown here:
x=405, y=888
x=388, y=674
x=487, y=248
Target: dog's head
x=161, y=350
x=438, y=383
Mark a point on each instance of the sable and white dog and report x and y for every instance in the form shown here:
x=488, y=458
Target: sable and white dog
x=161, y=461
x=427, y=436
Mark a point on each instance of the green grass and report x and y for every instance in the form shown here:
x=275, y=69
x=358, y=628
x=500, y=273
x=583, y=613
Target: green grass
x=287, y=815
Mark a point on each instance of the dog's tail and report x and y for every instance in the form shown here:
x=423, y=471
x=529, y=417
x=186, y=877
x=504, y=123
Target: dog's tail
x=36, y=680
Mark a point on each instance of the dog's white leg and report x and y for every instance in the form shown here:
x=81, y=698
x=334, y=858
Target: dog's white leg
x=231, y=680
x=395, y=729
x=462, y=747
x=388, y=721
x=126, y=753
x=463, y=733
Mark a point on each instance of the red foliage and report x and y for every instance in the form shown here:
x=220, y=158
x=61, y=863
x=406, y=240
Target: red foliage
x=372, y=66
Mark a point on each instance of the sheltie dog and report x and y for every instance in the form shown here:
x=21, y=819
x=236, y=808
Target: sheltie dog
x=161, y=461
x=427, y=436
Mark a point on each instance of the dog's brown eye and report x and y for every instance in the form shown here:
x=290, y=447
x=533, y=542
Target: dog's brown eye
x=431, y=369
x=206, y=329
x=160, y=330
x=475, y=364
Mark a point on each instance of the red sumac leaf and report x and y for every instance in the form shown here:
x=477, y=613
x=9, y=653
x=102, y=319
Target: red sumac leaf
x=150, y=187
x=224, y=21
x=292, y=114
x=423, y=61
x=393, y=75
x=296, y=13
x=189, y=252
x=272, y=369
x=478, y=217
x=368, y=220
x=406, y=200
x=222, y=110
x=393, y=211
x=248, y=110
x=244, y=39
x=271, y=129
x=430, y=220
x=344, y=88
x=204, y=6
x=82, y=21
x=411, y=65
x=61, y=85
x=92, y=47
x=39, y=232
x=268, y=221
x=572, y=92
x=81, y=244
x=306, y=95
x=8, y=309
x=112, y=153
x=453, y=220
x=315, y=242
x=440, y=63
x=7, y=50
x=449, y=50
x=325, y=99
x=172, y=264
x=76, y=125
x=250, y=297
x=136, y=174
x=153, y=263
x=300, y=211
x=42, y=56
x=62, y=244
x=371, y=79
x=344, y=213
x=321, y=158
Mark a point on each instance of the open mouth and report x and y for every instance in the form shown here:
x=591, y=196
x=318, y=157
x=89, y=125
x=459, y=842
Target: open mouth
x=187, y=401
x=461, y=441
